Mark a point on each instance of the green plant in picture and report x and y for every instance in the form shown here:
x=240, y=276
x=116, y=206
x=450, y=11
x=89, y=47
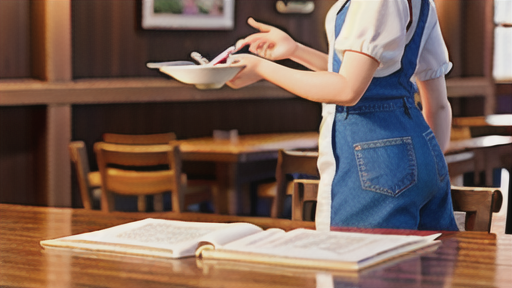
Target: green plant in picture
x=212, y=7
x=168, y=6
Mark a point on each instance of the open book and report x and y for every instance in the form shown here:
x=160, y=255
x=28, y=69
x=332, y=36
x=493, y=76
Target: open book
x=245, y=242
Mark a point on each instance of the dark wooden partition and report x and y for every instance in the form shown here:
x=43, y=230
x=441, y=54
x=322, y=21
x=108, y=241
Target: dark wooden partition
x=108, y=40
x=468, y=30
x=15, y=39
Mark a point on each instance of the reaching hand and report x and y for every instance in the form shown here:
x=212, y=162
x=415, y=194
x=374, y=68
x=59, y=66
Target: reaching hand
x=270, y=42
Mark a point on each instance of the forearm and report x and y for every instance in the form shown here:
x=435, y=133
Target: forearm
x=436, y=109
x=323, y=86
x=343, y=88
x=310, y=58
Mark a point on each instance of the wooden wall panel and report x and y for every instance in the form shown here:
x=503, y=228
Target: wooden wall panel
x=467, y=28
x=195, y=119
x=108, y=40
x=478, y=38
x=15, y=39
x=21, y=130
x=449, y=13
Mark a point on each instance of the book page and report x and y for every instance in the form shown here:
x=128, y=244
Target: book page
x=173, y=238
x=333, y=245
x=259, y=239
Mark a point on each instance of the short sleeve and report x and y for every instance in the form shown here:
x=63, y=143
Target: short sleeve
x=433, y=61
x=376, y=28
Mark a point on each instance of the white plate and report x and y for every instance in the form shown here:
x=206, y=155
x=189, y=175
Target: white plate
x=203, y=76
x=156, y=65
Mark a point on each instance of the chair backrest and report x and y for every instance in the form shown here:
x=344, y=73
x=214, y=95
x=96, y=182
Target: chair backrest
x=87, y=181
x=139, y=170
x=304, y=191
x=142, y=139
x=291, y=162
x=139, y=139
x=478, y=203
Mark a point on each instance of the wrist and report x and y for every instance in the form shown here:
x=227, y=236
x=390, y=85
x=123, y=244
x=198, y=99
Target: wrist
x=297, y=51
x=266, y=69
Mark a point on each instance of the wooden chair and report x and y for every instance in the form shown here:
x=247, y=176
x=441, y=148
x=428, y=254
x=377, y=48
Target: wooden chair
x=304, y=191
x=141, y=139
x=478, y=203
x=142, y=170
x=88, y=181
x=288, y=162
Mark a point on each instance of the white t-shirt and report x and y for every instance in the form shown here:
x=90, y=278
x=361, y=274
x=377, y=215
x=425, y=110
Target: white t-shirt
x=377, y=28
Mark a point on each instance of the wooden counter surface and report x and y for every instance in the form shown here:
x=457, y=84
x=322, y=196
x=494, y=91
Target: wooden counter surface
x=465, y=259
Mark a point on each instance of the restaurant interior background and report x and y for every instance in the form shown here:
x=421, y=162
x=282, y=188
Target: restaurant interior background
x=72, y=70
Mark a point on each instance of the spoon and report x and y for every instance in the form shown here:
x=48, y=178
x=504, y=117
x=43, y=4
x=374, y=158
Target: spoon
x=199, y=58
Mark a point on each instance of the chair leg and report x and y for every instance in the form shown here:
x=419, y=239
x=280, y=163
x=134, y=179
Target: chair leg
x=141, y=203
x=215, y=198
x=297, y=201
x=158, y=202
x=107, y=202
x=273, y=207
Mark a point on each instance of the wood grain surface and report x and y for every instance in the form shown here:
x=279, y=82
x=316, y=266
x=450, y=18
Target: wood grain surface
x=465, y=259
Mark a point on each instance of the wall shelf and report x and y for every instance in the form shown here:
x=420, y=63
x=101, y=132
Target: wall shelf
x=124, y=90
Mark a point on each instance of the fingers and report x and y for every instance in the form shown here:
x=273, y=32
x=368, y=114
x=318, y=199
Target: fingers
x=261, y=43
x=240, y=43
x=258, y=44
x=258, y=25
x=263, y=49
x=249, y=40
x=234, y=59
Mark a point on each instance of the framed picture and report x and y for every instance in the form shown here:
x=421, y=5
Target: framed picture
x=188, y=14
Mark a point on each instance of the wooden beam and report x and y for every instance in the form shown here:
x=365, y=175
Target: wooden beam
x=51, y=40
x=51, y=62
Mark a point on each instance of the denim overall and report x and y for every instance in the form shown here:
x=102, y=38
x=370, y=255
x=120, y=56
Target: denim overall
x=390, y=170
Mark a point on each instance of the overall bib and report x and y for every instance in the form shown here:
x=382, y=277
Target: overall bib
x=389, y=170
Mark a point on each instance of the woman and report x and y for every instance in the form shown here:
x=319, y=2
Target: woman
x=380, y=163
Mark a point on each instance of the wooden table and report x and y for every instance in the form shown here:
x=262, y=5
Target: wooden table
x=504, y=120
x=465, y=259
x=488, y=153
x=245, y=159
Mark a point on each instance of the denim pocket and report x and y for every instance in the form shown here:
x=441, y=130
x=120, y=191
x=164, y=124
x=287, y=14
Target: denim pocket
x=441, y=167
x=386, y=166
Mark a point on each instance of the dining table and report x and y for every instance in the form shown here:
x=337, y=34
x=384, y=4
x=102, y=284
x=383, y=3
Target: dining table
x=492, y=120
x=491, y=147
x=487, y=147
x=462, y=259
x=242, y=159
